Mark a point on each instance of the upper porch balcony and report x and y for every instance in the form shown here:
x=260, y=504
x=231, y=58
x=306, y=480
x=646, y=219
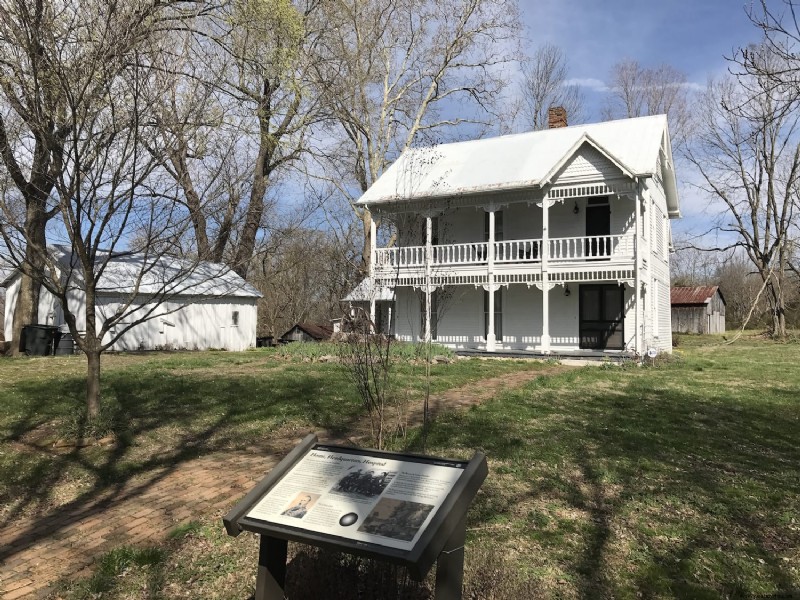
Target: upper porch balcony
x=565, y=253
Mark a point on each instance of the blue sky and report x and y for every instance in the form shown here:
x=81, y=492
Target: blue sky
x=693, y=36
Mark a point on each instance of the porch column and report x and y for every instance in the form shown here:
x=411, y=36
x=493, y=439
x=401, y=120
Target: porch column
x=373, y=244
x=637, y=266
x=491, y=340
x=428, y=258
x=545, y=345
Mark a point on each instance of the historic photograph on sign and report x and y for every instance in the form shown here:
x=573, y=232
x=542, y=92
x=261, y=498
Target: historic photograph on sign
x=301, y=504
x=364, y=483
x=364, y=497
x=398, y=519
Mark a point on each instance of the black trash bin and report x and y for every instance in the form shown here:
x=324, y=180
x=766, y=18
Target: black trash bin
x=38, y=339
x=65, y=345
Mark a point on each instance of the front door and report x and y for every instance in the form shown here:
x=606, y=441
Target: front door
x=602, y=308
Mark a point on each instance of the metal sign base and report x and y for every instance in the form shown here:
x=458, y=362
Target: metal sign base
x=272, y=555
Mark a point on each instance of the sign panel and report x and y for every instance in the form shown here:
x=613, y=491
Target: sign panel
x=387, y=500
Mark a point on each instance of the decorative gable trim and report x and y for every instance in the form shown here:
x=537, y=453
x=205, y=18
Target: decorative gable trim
x=565, y=192
x=585, y=139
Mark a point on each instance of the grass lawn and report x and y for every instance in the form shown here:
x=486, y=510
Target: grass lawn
x=679, y=480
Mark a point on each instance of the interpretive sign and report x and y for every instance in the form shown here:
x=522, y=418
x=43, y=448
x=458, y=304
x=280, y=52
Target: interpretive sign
x=404, y=508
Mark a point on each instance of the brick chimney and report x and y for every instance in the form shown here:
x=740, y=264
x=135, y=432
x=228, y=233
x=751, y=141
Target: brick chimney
x=556, y=117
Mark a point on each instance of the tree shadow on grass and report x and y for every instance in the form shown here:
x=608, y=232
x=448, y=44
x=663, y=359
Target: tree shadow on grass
x=200, y=416
x=698, y=483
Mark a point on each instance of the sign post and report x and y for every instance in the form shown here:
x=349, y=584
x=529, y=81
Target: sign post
x=407, y=509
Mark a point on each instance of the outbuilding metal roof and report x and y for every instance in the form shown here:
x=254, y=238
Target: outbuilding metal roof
x=161, y=275
x=522, y=160
x=696, y=295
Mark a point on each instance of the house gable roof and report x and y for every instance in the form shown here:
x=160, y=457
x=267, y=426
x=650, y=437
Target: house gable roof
x=523, y=161
x=694, y=296
x=574, y=154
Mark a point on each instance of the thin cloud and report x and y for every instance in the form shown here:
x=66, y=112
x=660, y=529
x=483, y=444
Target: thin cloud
x=593, y=84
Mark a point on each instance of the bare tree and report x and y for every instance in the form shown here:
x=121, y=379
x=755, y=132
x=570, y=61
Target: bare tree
x=545, y=85
x=637, y=91
x=99, y=62
x=747, y=150
x=692, y=265
x=389, y=67
x=48, y=50
x=781, y=35
x=238, y=118
x=33, y=126
x=740, y=284
x=303, y=274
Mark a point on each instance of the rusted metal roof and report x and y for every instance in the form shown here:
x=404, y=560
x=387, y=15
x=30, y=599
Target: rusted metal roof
x=699, y=294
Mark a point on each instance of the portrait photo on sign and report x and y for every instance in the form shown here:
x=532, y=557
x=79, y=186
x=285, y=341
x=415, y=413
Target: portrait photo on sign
x=364, y=483
x=396, y=519
x=300, y=505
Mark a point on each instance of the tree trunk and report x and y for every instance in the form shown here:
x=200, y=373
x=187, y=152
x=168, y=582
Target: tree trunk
x=26, y=311
x=93, y=380
x=247, y=241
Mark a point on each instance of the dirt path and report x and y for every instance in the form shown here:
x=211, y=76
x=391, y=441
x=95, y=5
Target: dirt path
x=480, y=391
x=37, y=552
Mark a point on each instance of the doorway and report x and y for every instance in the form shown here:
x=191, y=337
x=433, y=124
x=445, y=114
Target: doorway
x=598, y=227
x=601, y=323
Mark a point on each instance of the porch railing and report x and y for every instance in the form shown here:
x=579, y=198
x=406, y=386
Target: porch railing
x=589, y=248
x=560, y=250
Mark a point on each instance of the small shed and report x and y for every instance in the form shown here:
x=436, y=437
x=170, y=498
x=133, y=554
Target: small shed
x=181, y=304
x=697, y=309
x=308, y=332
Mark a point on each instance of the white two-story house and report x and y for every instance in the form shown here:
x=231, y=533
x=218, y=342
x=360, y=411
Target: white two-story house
x=551, y=242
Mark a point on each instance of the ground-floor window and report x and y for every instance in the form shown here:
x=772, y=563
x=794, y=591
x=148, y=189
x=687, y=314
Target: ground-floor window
x=498, y=314
x=602, y=310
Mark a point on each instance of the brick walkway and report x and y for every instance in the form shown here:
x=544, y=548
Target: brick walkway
x=35, y=553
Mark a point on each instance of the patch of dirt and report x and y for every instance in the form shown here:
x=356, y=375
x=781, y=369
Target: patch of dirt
x=480, y=391
x=461, y=398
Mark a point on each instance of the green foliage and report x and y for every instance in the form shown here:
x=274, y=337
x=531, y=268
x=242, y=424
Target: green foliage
x=400, y=351
x=185, y=530
x=116, y=564
x=303, y=350
x=268, y=33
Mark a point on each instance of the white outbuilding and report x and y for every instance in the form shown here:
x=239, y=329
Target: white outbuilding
x=185, y=304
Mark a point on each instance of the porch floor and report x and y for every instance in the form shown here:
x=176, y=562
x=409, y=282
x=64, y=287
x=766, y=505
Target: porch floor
x=586, y=355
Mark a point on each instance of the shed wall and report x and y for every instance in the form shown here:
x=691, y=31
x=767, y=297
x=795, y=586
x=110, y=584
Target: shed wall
x=190, y=323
